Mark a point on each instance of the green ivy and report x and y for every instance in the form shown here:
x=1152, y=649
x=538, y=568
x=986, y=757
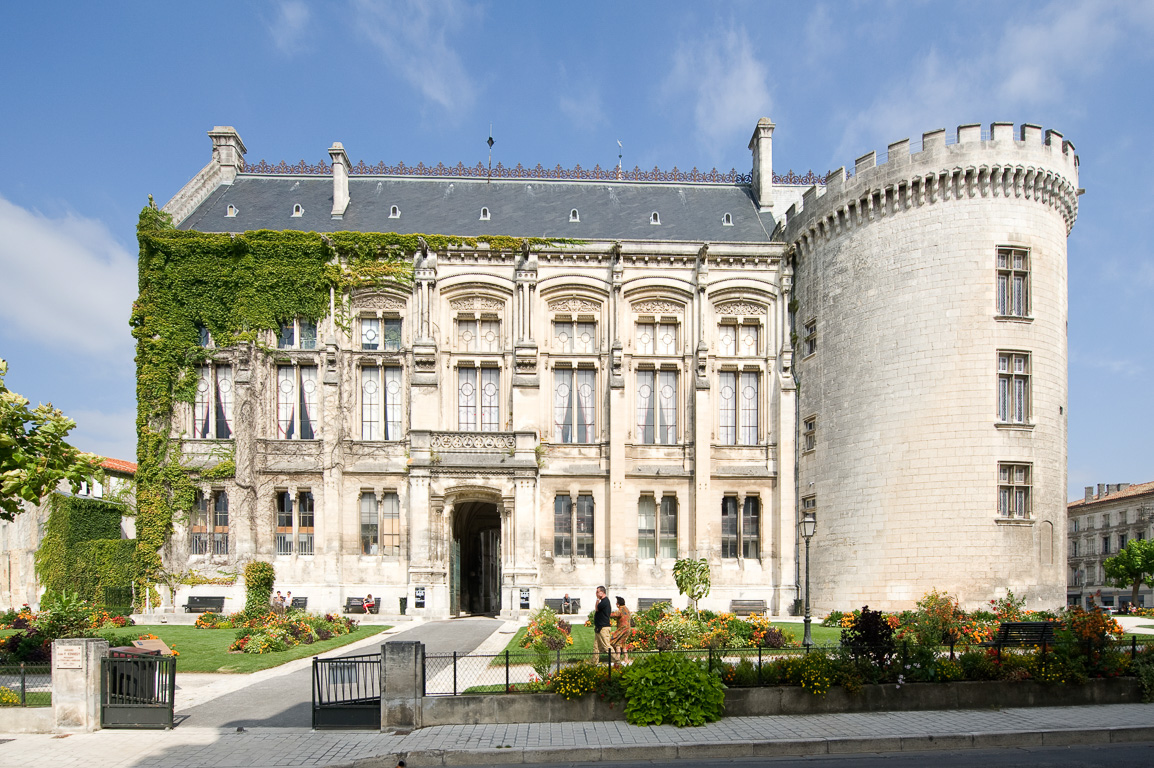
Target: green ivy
x=259, y=579
x=82, y=550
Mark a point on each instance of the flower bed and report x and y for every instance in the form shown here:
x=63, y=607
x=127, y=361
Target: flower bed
x=62, y=615
x=272, y=632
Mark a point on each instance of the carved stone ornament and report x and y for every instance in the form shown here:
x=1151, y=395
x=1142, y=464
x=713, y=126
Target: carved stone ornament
x=376, y=300
x=740, y=308
x=574, y=305
x=657, y=307
x=477, y=302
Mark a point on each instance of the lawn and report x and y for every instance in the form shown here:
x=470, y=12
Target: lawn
x=206, y=650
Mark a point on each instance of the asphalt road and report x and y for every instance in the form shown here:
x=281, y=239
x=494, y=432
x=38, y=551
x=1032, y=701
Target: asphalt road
x=286, y=701
x=1137, y=755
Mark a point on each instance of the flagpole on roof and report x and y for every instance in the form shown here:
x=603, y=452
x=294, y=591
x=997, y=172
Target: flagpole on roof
x=490, y=176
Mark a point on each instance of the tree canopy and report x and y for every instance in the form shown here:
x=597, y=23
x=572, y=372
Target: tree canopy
x=1133, y=565
x=34, y=456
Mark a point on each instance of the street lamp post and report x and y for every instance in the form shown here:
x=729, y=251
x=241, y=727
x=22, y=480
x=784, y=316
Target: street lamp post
x=808, y=525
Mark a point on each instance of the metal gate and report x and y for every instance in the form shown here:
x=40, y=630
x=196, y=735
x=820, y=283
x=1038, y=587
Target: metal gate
x=347, y=693
x=137, y=692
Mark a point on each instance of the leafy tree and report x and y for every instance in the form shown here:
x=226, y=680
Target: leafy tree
x=1131, y=567
x=692, y=577
x=34, y=456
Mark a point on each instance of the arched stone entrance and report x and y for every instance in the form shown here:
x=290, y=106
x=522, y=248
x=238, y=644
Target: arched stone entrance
x=475, y=558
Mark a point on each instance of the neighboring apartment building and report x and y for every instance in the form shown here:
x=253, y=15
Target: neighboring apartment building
x=524, y=424
x=1099, y=526
x=20, y=538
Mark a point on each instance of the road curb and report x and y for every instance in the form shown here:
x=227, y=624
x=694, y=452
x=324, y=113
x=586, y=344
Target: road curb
x=768, y=748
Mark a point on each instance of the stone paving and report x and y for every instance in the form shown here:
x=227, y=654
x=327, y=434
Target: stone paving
x=552, y=742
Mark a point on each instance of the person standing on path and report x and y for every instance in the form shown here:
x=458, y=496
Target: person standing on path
x=620, y=638
x=601, y=619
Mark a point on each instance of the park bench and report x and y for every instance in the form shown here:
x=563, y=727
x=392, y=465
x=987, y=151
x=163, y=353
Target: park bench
x=1022, y=633
x=746, y=607
x=645, y=603
x=300, y=602
x=557, y=605
x=204, y=604
x=357, y=605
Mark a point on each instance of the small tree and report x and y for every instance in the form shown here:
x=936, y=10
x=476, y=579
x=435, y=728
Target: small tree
x=692, y=577
x=34, y=456
x=259, y=579
x=1131, y=567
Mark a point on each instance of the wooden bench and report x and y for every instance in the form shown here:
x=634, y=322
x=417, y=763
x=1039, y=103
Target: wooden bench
x=1022, y=633
x=204, y=604
x=357, y=605
x=300, y=603
x=746, y=607
x=557, y=605
x=645, y=603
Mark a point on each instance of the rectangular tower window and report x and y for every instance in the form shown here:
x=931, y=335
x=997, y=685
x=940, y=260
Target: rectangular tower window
x=809, y=341
x=1013, y=387
x=809, y=434
x=1013, y=282
x=1014, y=490
x=657, y=407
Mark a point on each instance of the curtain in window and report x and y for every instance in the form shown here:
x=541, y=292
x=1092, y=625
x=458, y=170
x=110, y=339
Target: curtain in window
x=667, y=400
x=393, y=403
x=368, y=523
x=727, y=340
x=1019, y=400
x=562, y=526
x=584, y=540
x=490, y=399
x=391, y=525
x=201, y=406
x=586, y=405
x=563, y=404
x=308, y=402
x=285, y=401
x=646, y=528
x=466, y=399
x=645, y=411
x=370, y=404
x=727, y=418
x=668, y=528
x=751, y=527
x=224, y=401
x=749, y=400
x=729, y=527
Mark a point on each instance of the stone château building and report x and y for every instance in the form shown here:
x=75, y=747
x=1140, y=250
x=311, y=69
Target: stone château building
x=1100, y=525
x=526, y=423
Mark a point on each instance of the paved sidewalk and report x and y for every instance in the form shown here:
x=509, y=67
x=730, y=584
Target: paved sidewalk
x=569, y=742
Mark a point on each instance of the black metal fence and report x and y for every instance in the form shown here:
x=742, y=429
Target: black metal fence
x=347, y=693
x=454, y=674
x=26, y=685
x=137, y=691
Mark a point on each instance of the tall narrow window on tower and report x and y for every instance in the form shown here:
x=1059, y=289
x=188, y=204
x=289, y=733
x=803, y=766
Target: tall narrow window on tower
x=1014, y=490
x=1013, y=387
x=1013, y=282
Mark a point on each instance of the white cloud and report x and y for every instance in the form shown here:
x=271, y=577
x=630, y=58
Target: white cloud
x=726, y=83
x=415, y=39
x=290, y=24
x=67, y=283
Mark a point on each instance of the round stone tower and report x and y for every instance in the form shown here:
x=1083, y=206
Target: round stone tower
x=931, y=309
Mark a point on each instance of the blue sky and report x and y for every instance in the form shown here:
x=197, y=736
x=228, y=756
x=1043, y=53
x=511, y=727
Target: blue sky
x=105, y=104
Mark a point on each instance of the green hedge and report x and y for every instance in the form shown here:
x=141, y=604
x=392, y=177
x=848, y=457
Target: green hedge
x=82, y=550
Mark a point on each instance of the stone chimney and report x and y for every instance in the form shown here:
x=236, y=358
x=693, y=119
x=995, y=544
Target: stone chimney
x=340, y=179
x=1089, y=493
x=227, y=151
x=1101, y=490
x=762, y=146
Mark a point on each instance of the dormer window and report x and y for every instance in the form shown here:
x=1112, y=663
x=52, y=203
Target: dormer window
x=574, y=216
x=230, y=212
x=298, y=211
x=484, y=214
x=727, y=220
x=394, y=212
x=655, y=218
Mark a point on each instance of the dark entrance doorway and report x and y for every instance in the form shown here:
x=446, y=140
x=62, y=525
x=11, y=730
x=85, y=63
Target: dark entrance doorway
x=475, y=559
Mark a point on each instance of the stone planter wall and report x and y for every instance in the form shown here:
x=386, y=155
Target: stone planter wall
x=789, y=700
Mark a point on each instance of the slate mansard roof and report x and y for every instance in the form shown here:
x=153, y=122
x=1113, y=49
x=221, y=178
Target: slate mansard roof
x=608, y=210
